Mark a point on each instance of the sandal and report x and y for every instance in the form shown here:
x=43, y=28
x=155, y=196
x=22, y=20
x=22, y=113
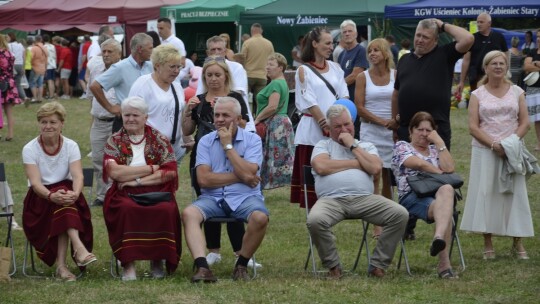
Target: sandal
x=63, y=273
x=89, y=259
x=489, y=254
x=448, y=274
x=437, y=246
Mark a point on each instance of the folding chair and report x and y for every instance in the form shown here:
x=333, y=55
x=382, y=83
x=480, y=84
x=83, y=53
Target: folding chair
x=309, y=180
x=88, y=181
x=455, y=238
x=221, y=220
x=9, y=218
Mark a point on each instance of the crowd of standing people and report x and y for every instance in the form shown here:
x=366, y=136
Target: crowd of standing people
x=143, y=126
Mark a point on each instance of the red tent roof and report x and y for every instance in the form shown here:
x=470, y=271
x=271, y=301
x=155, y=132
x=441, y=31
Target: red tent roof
x=54, y=15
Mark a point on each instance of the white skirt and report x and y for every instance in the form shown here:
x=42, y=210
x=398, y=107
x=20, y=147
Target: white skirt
x=382, y=138
x=489, y=211
x=533, y=103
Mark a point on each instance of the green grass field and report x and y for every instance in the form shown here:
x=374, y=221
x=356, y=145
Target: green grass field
x=282, y=253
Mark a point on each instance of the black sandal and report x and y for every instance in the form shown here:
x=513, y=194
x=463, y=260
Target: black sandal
x=448, y=274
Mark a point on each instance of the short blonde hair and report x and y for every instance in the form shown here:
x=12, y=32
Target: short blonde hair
x=281, y=60
x=51, y=108
x=227, y=39
x=165, y=53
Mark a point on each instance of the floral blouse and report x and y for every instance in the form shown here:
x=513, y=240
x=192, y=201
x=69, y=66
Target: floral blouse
x=402, y=151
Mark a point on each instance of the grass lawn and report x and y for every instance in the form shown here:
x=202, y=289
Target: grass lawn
x=282, y=253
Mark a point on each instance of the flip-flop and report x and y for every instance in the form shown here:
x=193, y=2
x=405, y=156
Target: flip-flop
x=437, y=246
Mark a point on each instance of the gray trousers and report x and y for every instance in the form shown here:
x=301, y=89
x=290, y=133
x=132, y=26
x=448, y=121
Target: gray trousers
x=99, y=133
x=5, y=195
x=20, y=72
x=374, y=209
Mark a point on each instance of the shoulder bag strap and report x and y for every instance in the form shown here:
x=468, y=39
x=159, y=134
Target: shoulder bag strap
x=176, y=112
x=328, y=85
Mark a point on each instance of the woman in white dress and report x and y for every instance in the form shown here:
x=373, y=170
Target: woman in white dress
x=313, y=98
x=159, y=90
x=373, y=97
x=497, y=113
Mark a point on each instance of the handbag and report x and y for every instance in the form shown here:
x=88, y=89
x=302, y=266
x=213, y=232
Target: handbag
x=261, y=129
x=151, y=198
x=24, y=82
x=426, y=184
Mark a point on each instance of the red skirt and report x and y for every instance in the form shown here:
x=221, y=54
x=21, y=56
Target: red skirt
x=43, y=221
x=143, y=232
x=302, y=157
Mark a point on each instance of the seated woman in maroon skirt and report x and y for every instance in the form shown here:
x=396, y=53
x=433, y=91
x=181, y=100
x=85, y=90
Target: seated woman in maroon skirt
x=55, y=210
x=140, y=160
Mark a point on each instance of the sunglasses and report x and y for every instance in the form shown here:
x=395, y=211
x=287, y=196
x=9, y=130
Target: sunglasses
x=214, y=58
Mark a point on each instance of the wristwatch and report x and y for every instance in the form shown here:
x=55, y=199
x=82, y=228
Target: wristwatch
x=227, y=147
x=138, y=181
x=354, y=145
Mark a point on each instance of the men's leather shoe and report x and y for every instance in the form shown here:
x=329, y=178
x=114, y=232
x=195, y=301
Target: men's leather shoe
x=240, y=273
x=335, y=273
x=203, y=274
x=97, y=202
x=376, y=272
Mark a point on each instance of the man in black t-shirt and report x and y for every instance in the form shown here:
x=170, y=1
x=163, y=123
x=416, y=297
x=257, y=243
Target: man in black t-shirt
x=424, y=80
x=485, y=40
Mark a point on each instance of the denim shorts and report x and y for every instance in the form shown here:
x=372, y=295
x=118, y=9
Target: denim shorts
x=211, y=208
x=50, y=74
x=35, y=81
x=82, y=73
x=417, y=206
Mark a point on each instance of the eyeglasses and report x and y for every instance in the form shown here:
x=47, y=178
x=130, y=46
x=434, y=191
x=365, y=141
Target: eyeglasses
x=173, y=67
x=214, y=58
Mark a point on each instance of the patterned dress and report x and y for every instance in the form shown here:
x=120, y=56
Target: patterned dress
x=6, y=74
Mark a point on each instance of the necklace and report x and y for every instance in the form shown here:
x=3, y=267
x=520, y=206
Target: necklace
x=318, y=67
x=135, y=138
x=45, y=149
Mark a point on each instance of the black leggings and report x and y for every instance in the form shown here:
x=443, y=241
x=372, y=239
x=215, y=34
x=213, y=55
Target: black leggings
x=212, y=232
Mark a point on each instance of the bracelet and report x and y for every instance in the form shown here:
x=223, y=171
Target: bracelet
x=152, y=168
x=49, y=196
x=493, y=143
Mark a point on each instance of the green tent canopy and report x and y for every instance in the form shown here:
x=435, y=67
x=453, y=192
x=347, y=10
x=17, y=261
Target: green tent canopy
x=210, y=10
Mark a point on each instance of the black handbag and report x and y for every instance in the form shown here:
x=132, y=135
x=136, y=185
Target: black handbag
x=151, y=198
x=3, y=86
x=426, y=184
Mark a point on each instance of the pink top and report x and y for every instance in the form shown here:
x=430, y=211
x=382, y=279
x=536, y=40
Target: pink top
x=498, y=116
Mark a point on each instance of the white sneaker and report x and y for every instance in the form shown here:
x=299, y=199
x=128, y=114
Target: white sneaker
x=83, y=96
x=250, y=263
x=15, y=226
x=213, y=258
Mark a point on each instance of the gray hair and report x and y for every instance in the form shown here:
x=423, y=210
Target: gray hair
x=346, y=23
x=104, y=29
x=430, y=24
x=138, y=40
x=135, y=102
x=227, y=99
x=110, y=41
x=215, y=39
x=336, y=111
x=102, y=38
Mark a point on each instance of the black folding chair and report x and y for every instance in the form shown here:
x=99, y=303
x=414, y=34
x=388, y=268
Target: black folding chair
x=309, y=180
x=455, y=238
x=9, y=218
